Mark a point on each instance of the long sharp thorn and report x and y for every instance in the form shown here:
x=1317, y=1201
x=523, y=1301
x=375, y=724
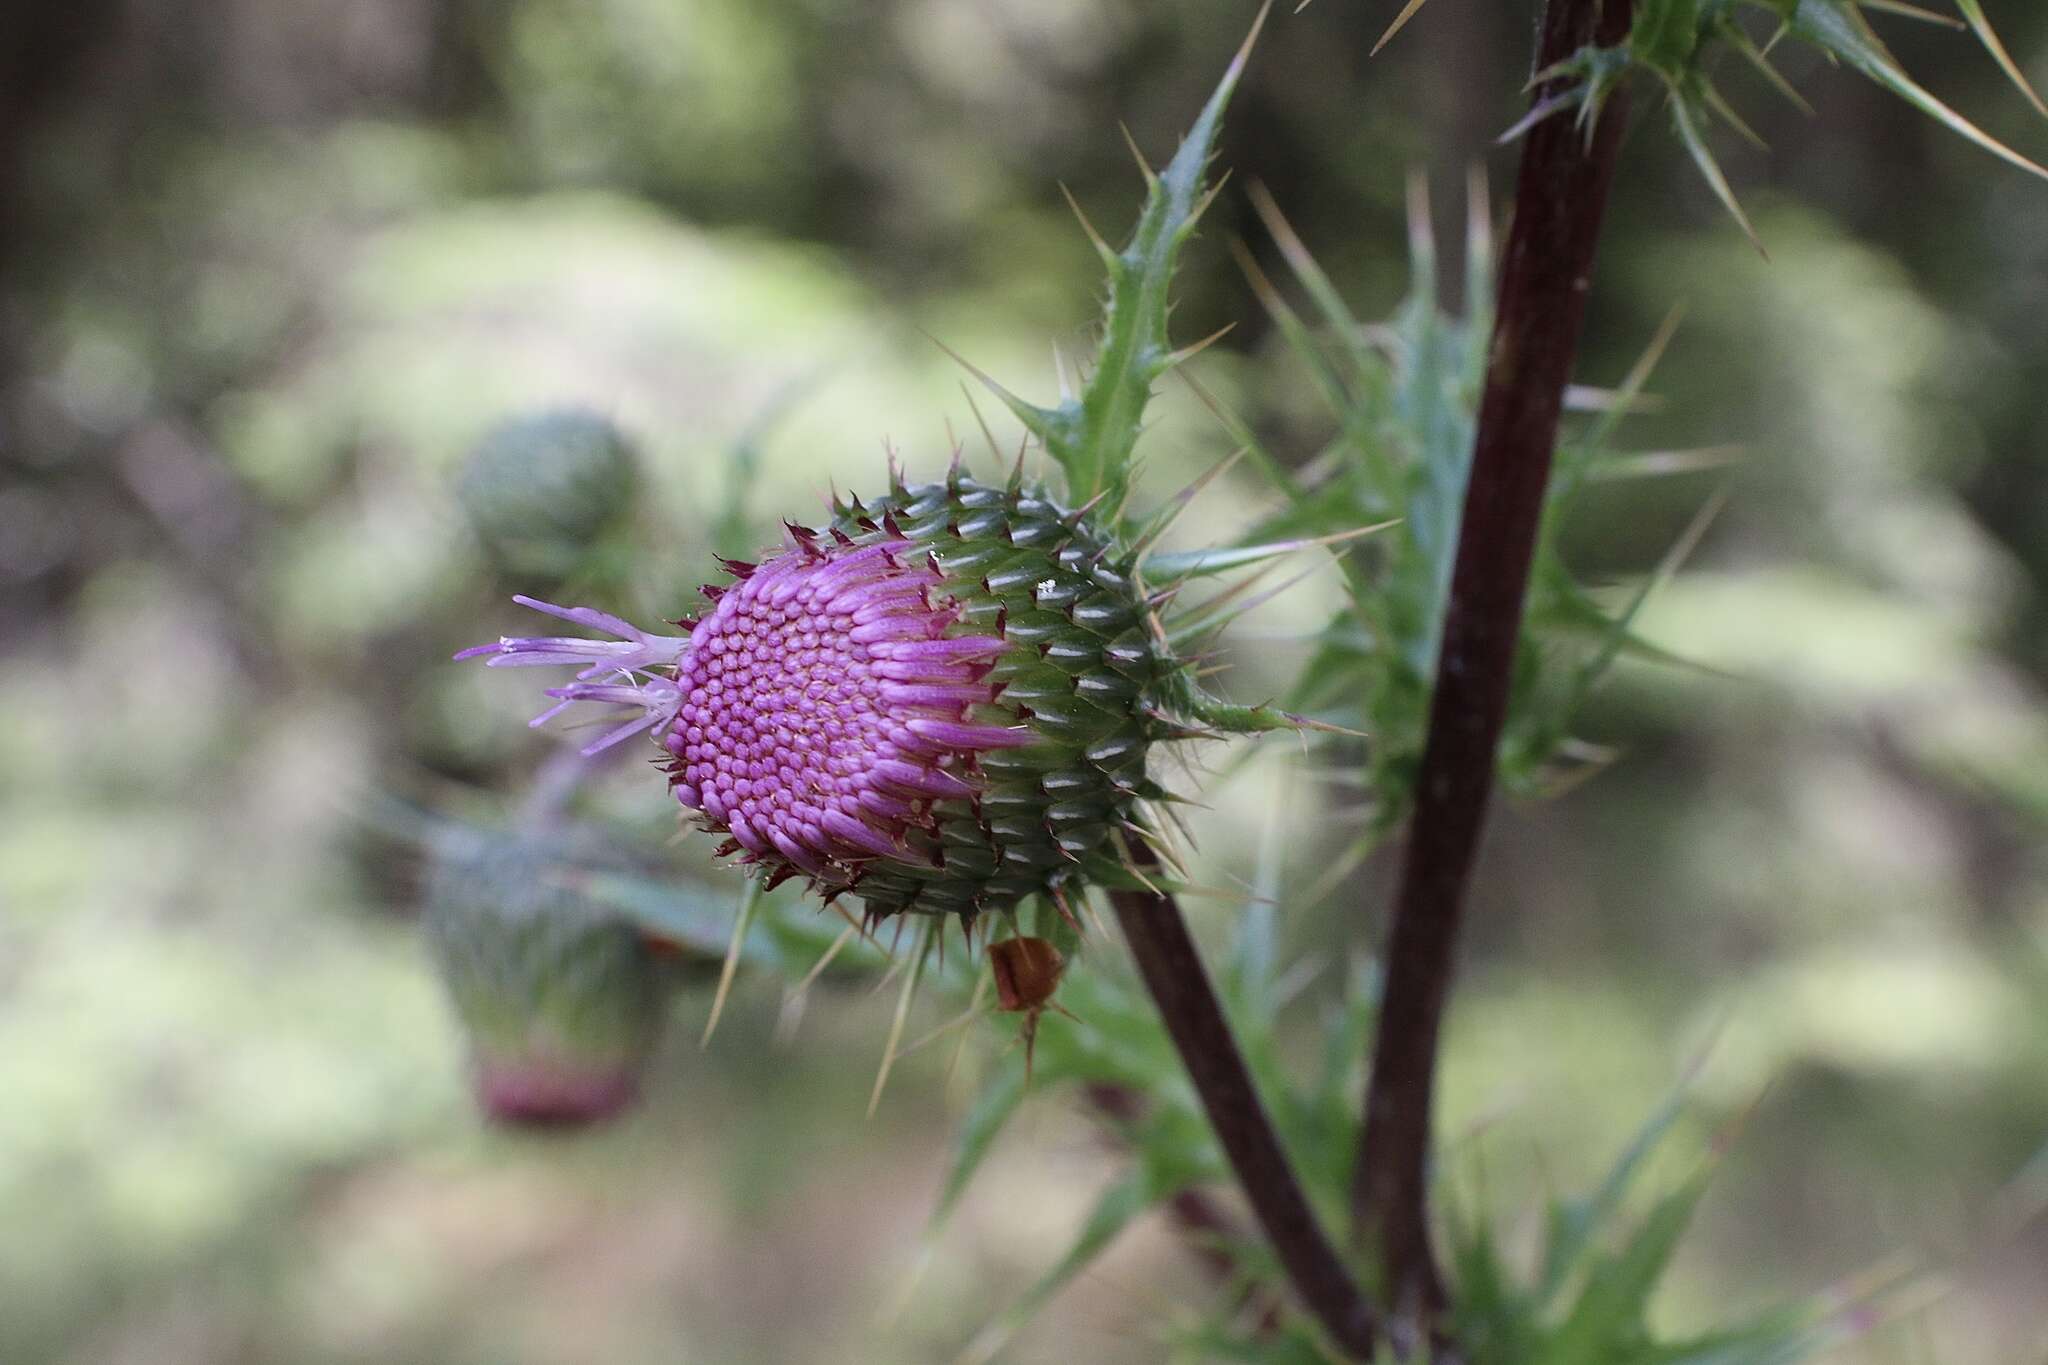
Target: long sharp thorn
x=1195, y=348
x=1244, y=49
x=966, y=1016
x=750, y=897
x=1144, y=166
x=1906, y=11
x=1080, y=514
x=793, y=1003
x=1651, y=463
x=1627, y=397
x=1988, y=36
x=1217, y=613
x=1208, y=198
x=1182, y=499
x=981, y=983
x=1742, y=43
x=1478, y=226
x=1328, y=299
x=1059, y=901
x=1400, y=20
x=855, y=925
x=1025, y=410
x=1421, y=223
x=1102, y=248
x=1241, y=433
x=995, y=451
x=1734, y=120
x=911, y=979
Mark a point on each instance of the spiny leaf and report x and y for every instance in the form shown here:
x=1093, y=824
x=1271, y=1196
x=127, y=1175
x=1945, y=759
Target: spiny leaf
x=1734, y=35
x=1040, y=422
x=992, y=1109
x=1592, y=669
x=1837, y=27
x=1688, y=119
x=1973, y=14
x=1611, y=1307
x=1575, y=1223
x=1092, y=436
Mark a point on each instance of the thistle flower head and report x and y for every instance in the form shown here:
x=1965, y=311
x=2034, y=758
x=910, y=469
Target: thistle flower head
x=941, y=702
x=827, y=703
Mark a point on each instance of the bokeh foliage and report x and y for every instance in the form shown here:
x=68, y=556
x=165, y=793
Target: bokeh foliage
x=271, y=271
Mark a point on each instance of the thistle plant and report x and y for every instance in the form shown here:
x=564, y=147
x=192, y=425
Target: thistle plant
x=941, y=703
x=948, y=701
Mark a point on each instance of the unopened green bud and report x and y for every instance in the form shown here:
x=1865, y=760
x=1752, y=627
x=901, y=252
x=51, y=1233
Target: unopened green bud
x=541, y=491
x=561, y=995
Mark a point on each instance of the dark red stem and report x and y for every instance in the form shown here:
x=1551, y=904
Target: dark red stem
x=1173, y=973
x=1560, y=197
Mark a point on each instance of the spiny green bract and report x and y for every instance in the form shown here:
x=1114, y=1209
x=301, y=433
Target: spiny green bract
x=1676, y=41
x=1084, y=671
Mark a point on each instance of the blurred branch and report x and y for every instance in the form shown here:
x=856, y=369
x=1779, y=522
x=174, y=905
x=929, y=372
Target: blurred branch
x=1560, y=197
x=1173, y=973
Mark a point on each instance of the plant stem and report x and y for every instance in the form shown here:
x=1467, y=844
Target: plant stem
x=1173, y=972
x=1560, y=196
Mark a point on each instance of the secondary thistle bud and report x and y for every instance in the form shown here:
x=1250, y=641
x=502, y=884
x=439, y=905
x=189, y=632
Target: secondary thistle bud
x=942, y=702
x=562, y=998
x=540, y=491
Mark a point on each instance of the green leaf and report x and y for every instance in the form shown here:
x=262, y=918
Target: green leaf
x=992, y=1109
x=1688, y=116
x=1611, y=1308
x=1837, y=27
x=1092, y=436
x=1574, y=1224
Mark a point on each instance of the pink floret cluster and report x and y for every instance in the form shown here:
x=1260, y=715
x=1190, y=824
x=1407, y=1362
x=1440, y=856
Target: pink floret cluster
x=818, y=710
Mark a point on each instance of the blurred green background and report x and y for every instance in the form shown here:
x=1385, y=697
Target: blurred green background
x=268, y=269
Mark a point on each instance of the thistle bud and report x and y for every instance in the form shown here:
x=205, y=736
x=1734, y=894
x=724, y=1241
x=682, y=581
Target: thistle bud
x=561, y=996
x=540, y=491
x=941, y=702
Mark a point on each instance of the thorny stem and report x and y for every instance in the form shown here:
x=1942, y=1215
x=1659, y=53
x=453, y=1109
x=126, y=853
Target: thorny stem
x=1560, y=196
x=1180, y=987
